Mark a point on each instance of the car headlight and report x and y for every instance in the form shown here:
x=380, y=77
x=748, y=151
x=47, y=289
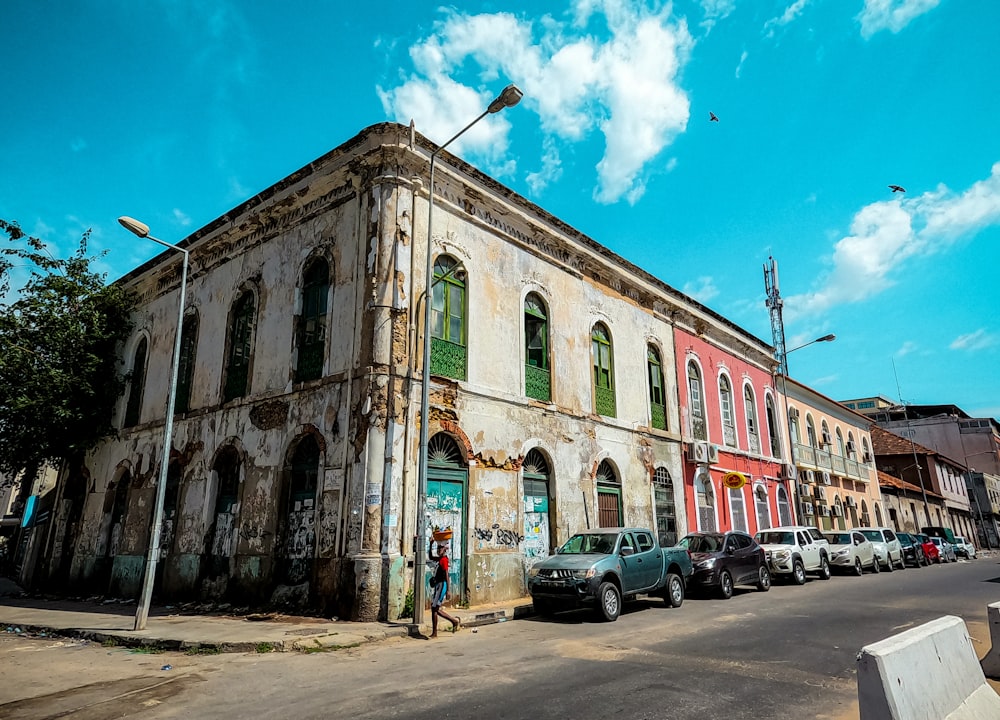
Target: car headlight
x=533, y=572
x=705, y=564
x=782, y=555
x=584, y=574
x=841, y=553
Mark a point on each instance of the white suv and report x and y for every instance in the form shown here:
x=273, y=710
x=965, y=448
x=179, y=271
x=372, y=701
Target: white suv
x=795, y=550
x=887, y=548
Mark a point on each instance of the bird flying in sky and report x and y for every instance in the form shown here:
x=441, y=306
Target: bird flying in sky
x=897, y=188
x=712, y=117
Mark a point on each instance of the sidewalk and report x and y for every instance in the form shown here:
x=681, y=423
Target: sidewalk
x=111, y=623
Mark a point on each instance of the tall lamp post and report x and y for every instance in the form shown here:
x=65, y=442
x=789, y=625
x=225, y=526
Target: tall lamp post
x=142, y=613
x=509, y=97
x=783, y=363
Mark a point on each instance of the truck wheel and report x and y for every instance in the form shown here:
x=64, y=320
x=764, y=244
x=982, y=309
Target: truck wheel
x=725, y=585
x=858, y=570
x=798, y=573
x=763, y=579
x=543, y=608
x=674, y=595
x=609, y=602
x=824, y=568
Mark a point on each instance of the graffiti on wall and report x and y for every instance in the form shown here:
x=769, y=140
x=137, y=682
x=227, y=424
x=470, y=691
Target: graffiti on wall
x=499, y=536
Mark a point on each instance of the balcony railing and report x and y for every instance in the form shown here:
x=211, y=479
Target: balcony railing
x=815, y=458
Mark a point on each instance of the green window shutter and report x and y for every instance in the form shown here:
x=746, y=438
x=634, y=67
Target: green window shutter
x=604, y=394
x=312, y=322
x=134, y=404
x=240, y=340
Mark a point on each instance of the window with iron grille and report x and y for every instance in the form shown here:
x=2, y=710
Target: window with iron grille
x=657, y=396
x=312, y=321
x=604, y=389
x=738, y=507
x=706, y=502
x=134, y=404
x=726, y=405
x=750, y=407
x=696, y=404
x=666, y=513
x=448, y=332
x=185, y=368
x=537, y=380
x=240, y=347
x=772, y=427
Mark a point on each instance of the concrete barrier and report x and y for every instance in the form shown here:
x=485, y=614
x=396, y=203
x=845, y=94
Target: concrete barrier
x=930, y=672
x=991, y=663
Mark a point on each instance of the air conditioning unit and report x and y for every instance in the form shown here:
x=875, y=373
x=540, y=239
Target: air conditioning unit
x=713, y=453
x=810, y=476
x=826, y=439
x=850, y=502
x=803, y=489
x=836, y=511
x=867, y=458
x=818, y=493
x=806, y=509
x=824, y=511
x=787, y=472
x=850, y=447
x=697, y=452
x=826, y=478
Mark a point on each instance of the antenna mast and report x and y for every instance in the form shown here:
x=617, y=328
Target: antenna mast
x=774, y=304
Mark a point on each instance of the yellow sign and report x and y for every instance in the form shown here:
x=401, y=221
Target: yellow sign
x=734, y=480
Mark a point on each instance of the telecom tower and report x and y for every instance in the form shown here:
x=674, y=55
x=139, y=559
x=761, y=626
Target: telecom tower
x=774, y=304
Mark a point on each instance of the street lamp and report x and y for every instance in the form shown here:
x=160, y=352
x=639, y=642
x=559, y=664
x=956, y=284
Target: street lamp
x=783, y=364
x=509, y=97
x=142, y=613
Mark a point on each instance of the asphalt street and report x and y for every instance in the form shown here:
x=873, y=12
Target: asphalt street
x=789, y=653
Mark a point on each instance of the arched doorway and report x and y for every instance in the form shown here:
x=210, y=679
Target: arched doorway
x=762, y=507
x=705, y=495
x=74, y=498
x=538, y=539
x=609, y=496
x=784, y=510
x=168, y=525
x=297, y=538
x=447, y=478
x=220, y=542
x=666, y=512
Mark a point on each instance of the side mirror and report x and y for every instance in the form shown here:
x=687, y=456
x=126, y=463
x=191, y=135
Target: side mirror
x=730, y=550
x=626, y=551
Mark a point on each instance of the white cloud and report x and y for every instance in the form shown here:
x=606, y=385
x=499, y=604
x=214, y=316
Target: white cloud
x=977, y=340
x=905, y=349
x=702, y=290
x=182, y=219
x=886, y=234
x=551, y=167
x=625, y=87
x=791, y=12
x=716, y=10
x=739, y=66
x=892, y=15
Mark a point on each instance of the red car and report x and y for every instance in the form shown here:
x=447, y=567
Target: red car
x=931, y=551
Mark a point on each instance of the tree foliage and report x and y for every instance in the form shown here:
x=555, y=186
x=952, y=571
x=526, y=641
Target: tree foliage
x=60, y=339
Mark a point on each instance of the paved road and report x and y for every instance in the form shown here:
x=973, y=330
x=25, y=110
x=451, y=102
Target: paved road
x=789, y=653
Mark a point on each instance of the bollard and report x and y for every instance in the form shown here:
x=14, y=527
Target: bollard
x=991, y=663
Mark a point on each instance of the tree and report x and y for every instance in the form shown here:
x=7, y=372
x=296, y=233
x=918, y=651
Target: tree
x=60, y=365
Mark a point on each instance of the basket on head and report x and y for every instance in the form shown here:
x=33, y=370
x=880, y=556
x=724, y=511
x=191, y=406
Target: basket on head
x=443, y=535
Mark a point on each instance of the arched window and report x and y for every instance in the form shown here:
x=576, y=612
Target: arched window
x=241, y=324
x=726, y=406
x=222, y=534
x=825, y=440
x=762, y=507
x=537, y=380
x=185, y=368
x=666, y=515
x=133, y=405
x=171, y=508
x=838, y=505
x=866, y=455
x=793, y=425
x=738, y=508
x=118, y=512
x=299, y=536
x=448, y=331
x=312, y=322
x=609, y=496
x=696, y=403
x=841, y=449
x=878, y=515
x=852, y=448
x=784, y=511
x=772, y=427
x=750, y=408
x=604, y=381
x=865, y=518
x=810, y=431
x=706, y=501
x=657, y=393
x=537, y=508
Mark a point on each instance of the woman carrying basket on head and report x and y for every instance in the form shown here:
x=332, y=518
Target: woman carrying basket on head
x=439, y=588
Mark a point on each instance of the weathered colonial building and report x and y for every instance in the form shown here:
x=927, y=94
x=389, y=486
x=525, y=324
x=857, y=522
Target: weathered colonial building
x=293, y=472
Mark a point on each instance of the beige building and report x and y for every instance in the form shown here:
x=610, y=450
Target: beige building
x=292, y=477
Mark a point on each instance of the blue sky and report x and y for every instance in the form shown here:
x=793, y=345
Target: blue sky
x=175, y=112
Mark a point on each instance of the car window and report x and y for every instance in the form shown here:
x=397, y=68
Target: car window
x=771, y=537
x=627, y=542
x=873, y=535
x=816, y=534
x=701, y=543
x=743, y=541
x=589, y=543
x=839, y=538
x=804, y=539
x=858, y=538
x=889, y=535
x=645, y=541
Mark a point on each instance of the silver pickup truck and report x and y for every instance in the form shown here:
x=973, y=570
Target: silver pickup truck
x=601, y=568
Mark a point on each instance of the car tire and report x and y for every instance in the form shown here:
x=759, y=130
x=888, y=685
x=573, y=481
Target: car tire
x=798, y=573
x=763, y=579
x=858, y=569
x=876, y=568
x=902, y=562
x=543, y=608
x=609, y=602
x=673, y=596
x=824, y=568
x=888, y=563
x=725, y=585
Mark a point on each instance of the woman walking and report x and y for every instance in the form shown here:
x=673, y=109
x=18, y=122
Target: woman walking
x=439, y=588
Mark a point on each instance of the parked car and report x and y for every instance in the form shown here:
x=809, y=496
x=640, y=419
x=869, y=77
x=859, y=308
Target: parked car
x=913, y=550
x=795, y=550
x=931, y=551
x=887, y=547
x=945, y=533
x=722, y=560
x=946, y=549
x=601, y=568
x=851, y=551
x=963, y=548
